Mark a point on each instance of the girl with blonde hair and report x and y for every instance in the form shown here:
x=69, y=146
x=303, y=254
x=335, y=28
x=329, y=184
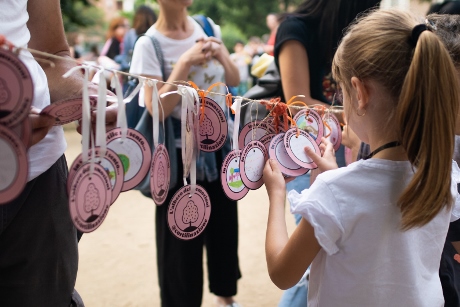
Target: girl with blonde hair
x=373, y=231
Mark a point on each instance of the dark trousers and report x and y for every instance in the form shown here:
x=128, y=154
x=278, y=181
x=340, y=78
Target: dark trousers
x=38, y=244
x=180, y=270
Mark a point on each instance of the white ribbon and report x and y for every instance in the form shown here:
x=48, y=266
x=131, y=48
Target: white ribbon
x=121, y=117
x=101, y=138
x=155, y=111
x=236, y=106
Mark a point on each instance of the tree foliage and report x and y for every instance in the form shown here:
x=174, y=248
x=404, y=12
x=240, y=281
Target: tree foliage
x=77, y=14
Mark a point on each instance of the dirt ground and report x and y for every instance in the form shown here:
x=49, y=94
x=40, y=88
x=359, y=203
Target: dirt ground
x=118, y=261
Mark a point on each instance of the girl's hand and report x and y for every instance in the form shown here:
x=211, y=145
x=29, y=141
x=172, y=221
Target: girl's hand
x=274, y=180
x=327, y=160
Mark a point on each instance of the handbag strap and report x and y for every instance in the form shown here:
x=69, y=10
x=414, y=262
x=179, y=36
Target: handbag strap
x=159, y=52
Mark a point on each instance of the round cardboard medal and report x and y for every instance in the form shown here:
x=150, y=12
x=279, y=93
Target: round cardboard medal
x=247, y=134
x=213, y=127
x=295, y=147
x=90, y=197
x=135, y=155
x=16, y=89
x=310, y=122
x=278, y=152
x=188, y=215
x=230, y=176
x=13, y=165
x=160, y=174
x=111, y=164
x=252, y=162
x=334, y=136
x=24, y=131
x=266, y=139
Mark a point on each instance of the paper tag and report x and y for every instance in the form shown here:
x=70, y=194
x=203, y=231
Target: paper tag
x=111, y=164
x=13, y=165
x=16, y=89
x=24, y=131
x=134, y=153
x=334, y=136
x=90, y=197
x=266, y=139
x=252, y=164
x=230, y=176
x=247, y=134
x=160, y=175
x=295, y=147
x=213, y=128
x=277, y=151
x=188, y=214
x=64, y=111
x=311, y=123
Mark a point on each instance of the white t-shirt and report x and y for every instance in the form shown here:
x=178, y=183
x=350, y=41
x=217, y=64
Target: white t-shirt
x=13, y=24
x=366, y=260
x=145, y=61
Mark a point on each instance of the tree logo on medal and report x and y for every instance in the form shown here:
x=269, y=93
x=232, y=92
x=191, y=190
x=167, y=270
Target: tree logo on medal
x=207, y=130
x=190, y=215
x=161, y=179
x=92, y=202
x=5, y=94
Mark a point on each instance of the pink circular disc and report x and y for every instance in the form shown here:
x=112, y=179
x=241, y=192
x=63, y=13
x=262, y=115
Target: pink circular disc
x=253, y=131
x=135, y=155
x=334, y=135
x=160, y=174
x=213, y=127
x=90, y=197
x=266, y=139
x=278, y=152
x=252, y=164
x=13, y=165
x=295, y=147
x=188, y=215
x=230, y=176
x=64, y=111
x=16, y=89
x=311, y=123
x=111, y=164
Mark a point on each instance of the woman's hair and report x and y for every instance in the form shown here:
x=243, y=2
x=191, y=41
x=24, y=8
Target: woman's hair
x=114, y=24
x=421, y=80
x=144, y=18
x=332, y=17
x=446, y=7
x=447, y=28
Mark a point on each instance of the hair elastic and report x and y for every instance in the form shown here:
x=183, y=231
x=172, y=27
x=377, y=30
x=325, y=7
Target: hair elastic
x=416, y=31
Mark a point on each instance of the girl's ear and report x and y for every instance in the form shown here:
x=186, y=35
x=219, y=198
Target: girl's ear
x=362, y=92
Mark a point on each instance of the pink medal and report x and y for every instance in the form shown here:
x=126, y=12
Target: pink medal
x=213, y=127
x=295, y=147
x=332, y=130
x=310, y=122
x=252, y=164
x=277, y=151
x=16, y=89
x=13, y=165
x=67, y=110
x=160, y=174
x=254, y=131
x=230, y=176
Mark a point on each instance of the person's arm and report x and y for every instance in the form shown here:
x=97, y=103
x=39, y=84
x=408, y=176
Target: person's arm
x=47, y=35
x=287, y=258
x=295, y=74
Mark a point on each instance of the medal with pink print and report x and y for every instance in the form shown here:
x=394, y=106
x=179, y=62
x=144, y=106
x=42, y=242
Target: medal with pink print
x=253, y=131
x=252, y=163
x=188, y=214
x=230, y=176
x=16, y=89
x=213, y=127
x=277, y=151
x=266, y=139
x=67, y=110
x=111, y=164
x=160, y=169
x=332, y=130
x=295, y=147
x=310, y=122
x=13, y=165
x=90, y=197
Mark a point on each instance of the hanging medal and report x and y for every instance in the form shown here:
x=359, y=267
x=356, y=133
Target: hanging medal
x=90, y=192
x=266, y=139
x=332, y=130
x=309, y=121
x=190, y=207
x=160, y=169
x=230, y=175
x=67, y=110
x=295, y=141
x=131, y=147
x=278, y=152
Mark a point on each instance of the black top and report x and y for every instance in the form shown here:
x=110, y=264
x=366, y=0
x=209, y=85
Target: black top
x=114, y=48
x=306, y=32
